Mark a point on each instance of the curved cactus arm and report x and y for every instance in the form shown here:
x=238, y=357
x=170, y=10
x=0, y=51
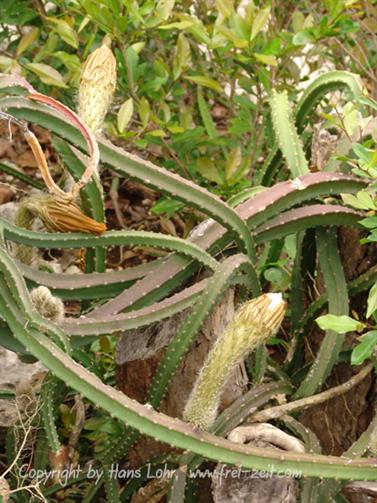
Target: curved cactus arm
x=299, y=219
x=303, y=267
x=20, y=175
x=87, y=134
x=98, y=323
x=310, y=98
x=297, y=284
x=244, y=195
x=309, y=486
x=110, y=238
x=139, y=169
x=286, y=134
x=322, y=85
x=285, y=195
x=164, y=428
x=91, y=285
x=211, y=236
x=331, y=267
x=288, y=223
x=137, y=318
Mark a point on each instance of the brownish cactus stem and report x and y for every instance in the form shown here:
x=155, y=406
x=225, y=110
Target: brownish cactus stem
x=88, y=135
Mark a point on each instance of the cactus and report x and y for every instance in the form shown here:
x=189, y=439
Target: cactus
x=16, y=173
x=143, y=294
x=312, y=95
x=333, y=275
x=160, y=426
x=287, y=137
x=48, y=392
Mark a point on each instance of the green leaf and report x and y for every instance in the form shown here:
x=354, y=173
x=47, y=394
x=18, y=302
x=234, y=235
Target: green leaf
x=233, y=162
x=232, y=37
x=179, y=25
x=225, y=7
x=298, y=19
x=372, y=300
x=367, y=101
x=164, y=9
x=137, y=47
x=71, y=61
x=167, y=206
x=205, y=82
x=144, y=111
x=206, y=116
x=125, y=114
x=207, y=168
x=66, y=32
x=259, y=21
x=182, y=58
x=302, y=38
x=351, y=118
x=27, y=40
x=362, y=201
x=365, y=198
x=339, y=324
x=365, y=348
x=158, y=133
x=266, y=59
x=47, y=74
x=5, y=63
x=364, y=154
x=369, y=222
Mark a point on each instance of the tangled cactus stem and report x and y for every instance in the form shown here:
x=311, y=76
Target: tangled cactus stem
x=254, y=322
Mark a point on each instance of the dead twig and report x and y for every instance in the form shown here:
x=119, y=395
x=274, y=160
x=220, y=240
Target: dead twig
x=303, y=403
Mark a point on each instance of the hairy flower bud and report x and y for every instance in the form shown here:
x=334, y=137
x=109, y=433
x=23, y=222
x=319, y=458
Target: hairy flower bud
x=62, y=215
x=47, y=305
x=97, y=86
x=4, y=490
x=254, y=322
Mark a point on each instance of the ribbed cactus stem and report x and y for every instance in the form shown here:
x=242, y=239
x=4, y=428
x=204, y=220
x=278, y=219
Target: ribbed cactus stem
x=24, y=218
x=254, y=322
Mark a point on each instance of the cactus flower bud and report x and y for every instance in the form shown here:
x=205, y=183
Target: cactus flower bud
x=47, y=305
x=4, y=490
x=254, y=322
x=97, y=86
x=62, y=215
